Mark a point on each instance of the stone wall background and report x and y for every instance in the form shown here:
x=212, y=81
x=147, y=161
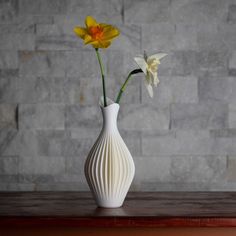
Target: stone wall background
x=183, y=139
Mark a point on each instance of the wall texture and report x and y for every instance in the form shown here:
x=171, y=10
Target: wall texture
x=183, y=139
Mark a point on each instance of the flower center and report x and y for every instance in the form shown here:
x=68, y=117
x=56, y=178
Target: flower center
x=153, y=65
x=96, y=32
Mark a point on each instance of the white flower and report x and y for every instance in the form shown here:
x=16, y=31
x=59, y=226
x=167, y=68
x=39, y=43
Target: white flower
x=149, y=66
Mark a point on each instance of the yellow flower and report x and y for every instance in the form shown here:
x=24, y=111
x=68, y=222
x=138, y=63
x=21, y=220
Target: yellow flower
x=99, y=35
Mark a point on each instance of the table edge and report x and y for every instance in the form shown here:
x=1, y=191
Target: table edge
x=149, y=222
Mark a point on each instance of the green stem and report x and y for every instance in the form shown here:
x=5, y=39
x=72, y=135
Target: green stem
x=126, y=82
x=103, y=77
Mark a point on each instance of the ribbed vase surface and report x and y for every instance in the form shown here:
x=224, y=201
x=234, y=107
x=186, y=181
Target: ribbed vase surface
x=109, y=168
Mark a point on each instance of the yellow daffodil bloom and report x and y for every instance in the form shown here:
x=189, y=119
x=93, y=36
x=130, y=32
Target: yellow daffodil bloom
x=99, y=35
x=149, y=66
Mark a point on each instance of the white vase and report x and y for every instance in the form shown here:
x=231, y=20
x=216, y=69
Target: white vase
x=109, y=168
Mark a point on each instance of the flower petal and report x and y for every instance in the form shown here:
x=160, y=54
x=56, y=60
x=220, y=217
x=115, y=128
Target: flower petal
x=90, y=21
x=155, y=79
x=142, y=64
x=96, y=44
x=99, y=44
x=157, y=56
x=149, y=89
x=110, y=33
x=87, y=39
x=81, y=32
x=106, y=44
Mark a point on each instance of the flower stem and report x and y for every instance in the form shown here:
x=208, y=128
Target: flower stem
x=103, y=77
x=126, y=82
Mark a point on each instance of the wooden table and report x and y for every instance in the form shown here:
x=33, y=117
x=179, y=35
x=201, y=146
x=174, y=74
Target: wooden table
x=159, y=213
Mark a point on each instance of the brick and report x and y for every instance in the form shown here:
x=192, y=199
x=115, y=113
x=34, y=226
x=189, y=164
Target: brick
x=217, y=89
x=9, y=165
x=38, y=19
x=101, y=10
x=77, y=178
x=132, y=140
x=132, y=94
x=8, y=114
x=41, y=89
x=57, y=43
x=85, y=132
x=150, y=169
x=180, y=63
x=83, y=64
x=78, y=116
x=79, y=91
x=75, y=166
x=223, y=133
x=143, y=12
x=19, y=25
x=171, y=187
x=26, y=178
x=42, y=7
x=232, y=64
x=8, y=60
x=180, y=169
x=157, y=38
x=54, y=143
x=41, y=165
x=16, y=187
x=129, y=39
x=87, y=91
x=198, y=168
x=80, y=186
x=167, y=37
x=41, y=63
x=196, y=12
x=231, y=167
x=116, y=64
x=144, y=117
x=51, y=30
x=213, y=62
x=199, y=116
x=232, y=14
x=13, y=143
x=5, y=178
x=62, y=25
x=17, y=42
x=222, y=186
x=174, y=89
x=227, y=33
x=9, y=73
x=208, y=37
x=58, y=36
x=232, y=116
x=8, y=10
x=8, y=89
x=51, y=142
x=189, y=142
x=41, y=116
x=186, y=37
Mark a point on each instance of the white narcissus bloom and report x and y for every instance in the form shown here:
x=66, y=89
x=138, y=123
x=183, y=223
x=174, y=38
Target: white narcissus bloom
x=149, y=66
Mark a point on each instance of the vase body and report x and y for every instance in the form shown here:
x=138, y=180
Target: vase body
x=109, y=168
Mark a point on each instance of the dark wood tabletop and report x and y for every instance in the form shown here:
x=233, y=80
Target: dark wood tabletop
x=140, y=209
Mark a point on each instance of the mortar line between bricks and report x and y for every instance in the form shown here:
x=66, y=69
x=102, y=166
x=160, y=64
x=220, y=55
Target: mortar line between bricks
x=123, y=12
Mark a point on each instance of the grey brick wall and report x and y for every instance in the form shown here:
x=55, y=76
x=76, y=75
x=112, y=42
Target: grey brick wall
x=182, y=139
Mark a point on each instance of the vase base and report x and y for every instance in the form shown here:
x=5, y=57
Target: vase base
x=109, y=203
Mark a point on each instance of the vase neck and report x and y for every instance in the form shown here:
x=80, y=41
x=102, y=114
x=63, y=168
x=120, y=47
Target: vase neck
x=110, y=114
